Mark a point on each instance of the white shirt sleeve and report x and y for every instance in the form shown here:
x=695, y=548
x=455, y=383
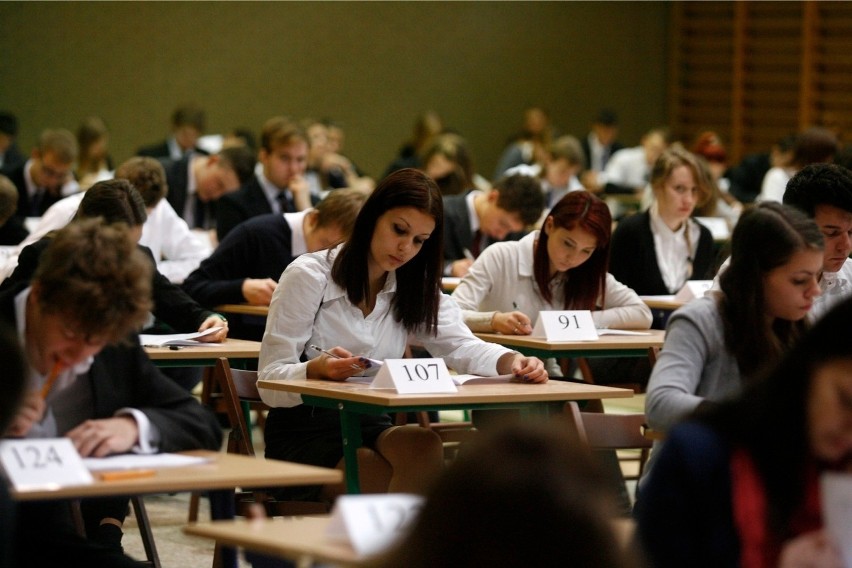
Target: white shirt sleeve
x=177, y=250
x=622, y=309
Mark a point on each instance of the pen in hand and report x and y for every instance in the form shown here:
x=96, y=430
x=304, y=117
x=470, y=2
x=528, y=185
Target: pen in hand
x=468, y=255
x=330, y=354
x=48, y=384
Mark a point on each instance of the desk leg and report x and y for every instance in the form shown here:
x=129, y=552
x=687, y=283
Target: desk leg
x=350, y=426
x=222, y=507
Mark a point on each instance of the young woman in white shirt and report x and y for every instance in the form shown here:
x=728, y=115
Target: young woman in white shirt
x=561, y=267
x=360, y=300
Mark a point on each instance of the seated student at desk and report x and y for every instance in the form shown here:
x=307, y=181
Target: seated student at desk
x=561, y=267
x=363, y=299
x=657, y=251
x=116, y=201
x=716, y=344
x=246, y=265
x=76, y=321
x=738, y=483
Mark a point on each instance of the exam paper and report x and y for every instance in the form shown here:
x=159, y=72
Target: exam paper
x=150, y=340
x=141, y=461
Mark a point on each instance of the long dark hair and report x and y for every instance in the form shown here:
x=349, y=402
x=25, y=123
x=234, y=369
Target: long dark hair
x=418, y=281
x=769, y=419
x=587, y=282
x=765, y=238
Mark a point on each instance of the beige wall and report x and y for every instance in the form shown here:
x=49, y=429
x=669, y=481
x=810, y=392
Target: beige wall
x=371, y=66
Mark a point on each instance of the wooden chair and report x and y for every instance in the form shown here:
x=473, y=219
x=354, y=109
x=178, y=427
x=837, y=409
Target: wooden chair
x=152, y=557
x=238, y=390
x=603, y=431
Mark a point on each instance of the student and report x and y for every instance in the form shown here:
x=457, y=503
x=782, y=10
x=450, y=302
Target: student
x=558, y=173
x=717, y=343
x=12, y=228
x=824, y=192
x=657, y=251
x=447, y=160
x=10, y=155
x=245, y=267
x=176, y=250
x=814, y=145
x=46, y=177
x=521, y=495
x=197, y=182
x=602, y=142
x=76, y=321
x=427, y=126
x=188, y=123
x=528, y=146
x=477, y=219
x=11, y=396
x=628, y=170
x=279, y=187
x=94, y=163
x=362, y=299
x=561, y=267
x=738, y=483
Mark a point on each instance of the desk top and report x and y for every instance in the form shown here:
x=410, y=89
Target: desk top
x=506, y=393
x=245, y=309
x=662, y=302
x=237, y=348
x=286, y=537
x=654, y=338
x=224, y=471
x=297, y=538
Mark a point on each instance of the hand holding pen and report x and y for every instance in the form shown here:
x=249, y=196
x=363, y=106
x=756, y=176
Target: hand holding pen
x=512, y=323
x=337, y=364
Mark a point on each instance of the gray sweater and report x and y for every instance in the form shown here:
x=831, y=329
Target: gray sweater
x=693, y=365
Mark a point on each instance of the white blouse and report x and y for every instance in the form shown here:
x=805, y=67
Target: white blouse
x=308, y=308
x=675, y=252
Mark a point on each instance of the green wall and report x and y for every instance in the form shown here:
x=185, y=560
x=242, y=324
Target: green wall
x=372, y=66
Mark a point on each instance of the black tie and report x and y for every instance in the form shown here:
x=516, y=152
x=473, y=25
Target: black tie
x=202, y=216
x=476, y=245
x=285, y=202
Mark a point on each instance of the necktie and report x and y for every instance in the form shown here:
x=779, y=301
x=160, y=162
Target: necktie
x=285, y=202
x=476, y=245
x=201, y=213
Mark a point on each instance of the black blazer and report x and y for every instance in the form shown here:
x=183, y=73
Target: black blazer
x=172, y=305
x=633, y=257
x=587, y=150
x=177, y=178
x=13, y=231
x=24, y=202
x=161, y=151
x=234, y=208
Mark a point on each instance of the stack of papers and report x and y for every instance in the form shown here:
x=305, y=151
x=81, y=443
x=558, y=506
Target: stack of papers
x=184, y=339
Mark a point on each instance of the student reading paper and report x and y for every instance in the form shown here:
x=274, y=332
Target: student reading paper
x=363, y=299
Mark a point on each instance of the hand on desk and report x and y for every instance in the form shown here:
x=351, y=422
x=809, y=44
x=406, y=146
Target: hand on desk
x=460, y=267
x=219, y=336
x=258, y=291
x=31, y=411
x=528, y=369
x=337, y=364
x=511, y=323
x=99, y=438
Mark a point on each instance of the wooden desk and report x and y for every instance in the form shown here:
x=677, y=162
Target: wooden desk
x=605, y=346
x=352, y=399
x=224, y=471
x=301, y=539
x=204, y=356
x=243, y=309
x=449, y=283
x=662, y=302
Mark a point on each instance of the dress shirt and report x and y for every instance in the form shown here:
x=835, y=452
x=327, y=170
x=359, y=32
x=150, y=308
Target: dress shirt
x=675, y=252
x=69, y=395
x=296, y=222
x=628, y=168
x=308, y=308
x=474, y=218
x=599, y=154
x=272, y=193
x=189, y=206
x=175, y=248
x=774, y=184
x=552, y=193
x=502, y=280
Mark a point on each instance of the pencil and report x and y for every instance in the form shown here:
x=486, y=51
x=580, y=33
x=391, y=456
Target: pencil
x=121, y=475
x=48, y=384
x=330, y=354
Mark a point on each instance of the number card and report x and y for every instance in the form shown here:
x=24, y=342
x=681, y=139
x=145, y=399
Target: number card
x=693, y=289
x=371, y=523
x=576, y=325
x=414, y=376
x=43, y=463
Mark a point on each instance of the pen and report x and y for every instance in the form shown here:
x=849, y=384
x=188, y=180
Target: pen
x=468, y=255
x=330, y=354
x=121, y=475
x=515, y=305
x=48, y=384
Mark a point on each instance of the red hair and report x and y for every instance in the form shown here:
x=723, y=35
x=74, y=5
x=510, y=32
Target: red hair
x=587, y=282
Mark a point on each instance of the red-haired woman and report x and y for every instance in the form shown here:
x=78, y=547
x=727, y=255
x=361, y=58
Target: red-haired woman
x=562, y=267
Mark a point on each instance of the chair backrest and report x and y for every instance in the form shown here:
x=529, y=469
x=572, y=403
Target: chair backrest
x=237, y=386
x=603, y=431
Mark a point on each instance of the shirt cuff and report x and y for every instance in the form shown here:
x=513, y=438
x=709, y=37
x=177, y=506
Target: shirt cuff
x=149, y=435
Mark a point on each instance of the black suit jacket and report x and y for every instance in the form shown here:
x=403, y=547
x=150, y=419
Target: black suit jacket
x=172, y=305
x=587, y=150
x=177, y=178
x=13, y=231
x=458, y=234
x=633, y=257
x=234, y=208
x=25, y=206
x=161, y=151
